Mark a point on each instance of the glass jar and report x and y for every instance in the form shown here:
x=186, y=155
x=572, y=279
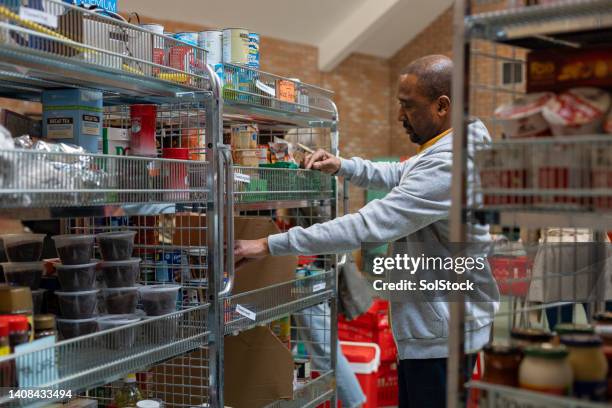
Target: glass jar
x=605, y=332
x=17, y=300
x=44, y=325
x=546, y=369
x=19, y=330
x=589, y=364
x=502, y=364
x=525, y=337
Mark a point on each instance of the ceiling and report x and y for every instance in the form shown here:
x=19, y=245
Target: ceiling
x=337, y=27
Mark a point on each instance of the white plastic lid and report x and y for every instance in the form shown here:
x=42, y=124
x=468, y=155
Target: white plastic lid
x=116, y=234
x=148, y=404
x=79, y=293
x=25, y=237
x=66, y=239
x=76, y=321
x=118, y=263
x=9, y=267
x=119, y=319
x=159, y=288
x=124, y=289
x=93, y=262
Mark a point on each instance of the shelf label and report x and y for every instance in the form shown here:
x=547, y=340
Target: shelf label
x=319, y=286
x=246, y=312
x=243, y=178
x=265, y=88
x=38, y=16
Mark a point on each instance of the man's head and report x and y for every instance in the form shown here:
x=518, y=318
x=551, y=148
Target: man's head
x=424, y=95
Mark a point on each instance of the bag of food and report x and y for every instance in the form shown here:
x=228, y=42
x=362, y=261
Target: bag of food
x=523, y=116
x=577, y=111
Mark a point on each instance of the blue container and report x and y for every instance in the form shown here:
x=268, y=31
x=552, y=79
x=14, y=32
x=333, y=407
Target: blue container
x=108, y=5
x=253, y=61
x=190, y=38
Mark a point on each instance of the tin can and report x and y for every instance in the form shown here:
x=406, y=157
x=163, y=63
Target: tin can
x=158, y=55
x=189, y=37
x=253, y=51
x=236, y=46
x=212, y=42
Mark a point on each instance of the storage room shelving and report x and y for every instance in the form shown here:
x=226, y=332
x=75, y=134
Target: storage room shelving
x=483, y=43
x=129, y=192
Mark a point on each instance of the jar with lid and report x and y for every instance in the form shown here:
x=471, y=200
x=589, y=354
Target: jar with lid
x=17, y=300
x=573, y=328
x=44, y=325
x=19, y=330
x=501, y=364
x=5, y=367
x=525, y=337
x=546, y=368
x=605, y=332
x=589, y=365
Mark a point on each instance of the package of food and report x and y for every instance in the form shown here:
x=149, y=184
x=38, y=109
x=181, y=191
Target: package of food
x=281, y=151
x=577, y=111
x=244, y=136
x=523, y=116
x=251, y=157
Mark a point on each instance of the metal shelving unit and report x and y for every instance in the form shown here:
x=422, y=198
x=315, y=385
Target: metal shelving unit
x=93, y=193
x=517, y=183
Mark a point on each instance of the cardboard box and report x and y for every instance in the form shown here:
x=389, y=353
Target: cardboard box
x=258, y=371
x=258, y=274
x=555, y=71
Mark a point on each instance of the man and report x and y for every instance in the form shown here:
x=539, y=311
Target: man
x=415, y=210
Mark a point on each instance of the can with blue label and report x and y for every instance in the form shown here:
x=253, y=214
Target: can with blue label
x=189, y=37
x=253, y=51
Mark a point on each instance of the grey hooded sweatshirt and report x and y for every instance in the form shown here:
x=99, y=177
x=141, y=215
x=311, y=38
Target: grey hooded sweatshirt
x=416, y=210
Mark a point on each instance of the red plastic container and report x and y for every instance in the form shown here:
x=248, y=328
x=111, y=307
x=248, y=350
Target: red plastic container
x=388, y=388
x=364, y=359
x=142, y=135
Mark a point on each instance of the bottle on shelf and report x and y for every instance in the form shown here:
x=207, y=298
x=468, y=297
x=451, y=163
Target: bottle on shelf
x=129, y=394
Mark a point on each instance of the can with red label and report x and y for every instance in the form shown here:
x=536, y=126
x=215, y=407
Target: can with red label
x=142, y=135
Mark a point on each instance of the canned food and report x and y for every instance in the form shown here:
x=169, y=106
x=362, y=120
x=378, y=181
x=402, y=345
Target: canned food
x=189, y=37
x=236, y=46
x=212, y=42
x=253, y=61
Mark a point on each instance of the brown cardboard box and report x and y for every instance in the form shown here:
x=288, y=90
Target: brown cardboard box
x=258, y=274
x=258, y=371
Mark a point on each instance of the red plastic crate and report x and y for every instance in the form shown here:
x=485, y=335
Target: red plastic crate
x=507, y=268
x=388, y=389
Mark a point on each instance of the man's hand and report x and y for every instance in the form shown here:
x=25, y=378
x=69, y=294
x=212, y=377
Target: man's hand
x=246, y=251
x=322, y=160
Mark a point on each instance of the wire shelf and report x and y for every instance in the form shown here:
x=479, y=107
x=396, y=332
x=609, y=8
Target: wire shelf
x=499, y=395
x=259, y=92
x=311, y=394
x=105, y=356
x=72, y=43
x=52, y=179
x=252, y=184
x=246, y=310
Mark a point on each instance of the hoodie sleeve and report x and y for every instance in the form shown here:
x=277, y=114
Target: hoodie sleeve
x=422, y=198
x=367, y=174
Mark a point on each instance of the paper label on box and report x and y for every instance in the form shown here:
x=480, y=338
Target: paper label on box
x=60, y=128
x=318, y=286
x=246, y=312
x=90, y=125
x=243, y=178
x=38, y=367
x=265, y=88
x=38, y=16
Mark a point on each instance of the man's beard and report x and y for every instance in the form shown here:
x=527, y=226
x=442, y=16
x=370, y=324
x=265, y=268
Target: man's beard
x=414, y=138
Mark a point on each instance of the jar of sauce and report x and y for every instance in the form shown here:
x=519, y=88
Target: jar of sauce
x=502, y=364
x=17, y=300
x=589, y=365
x=525, y=337
x=546, y=369
x=44, y=325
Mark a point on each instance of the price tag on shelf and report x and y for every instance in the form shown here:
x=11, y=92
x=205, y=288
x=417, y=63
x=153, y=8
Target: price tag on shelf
x=246, y=312
x=318, y=286
x=38, y=16
x=265, y=88
x=243, y=178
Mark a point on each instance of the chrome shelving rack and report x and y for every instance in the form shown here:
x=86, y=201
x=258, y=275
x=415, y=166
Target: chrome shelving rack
x=179, y=356
x=483, y=42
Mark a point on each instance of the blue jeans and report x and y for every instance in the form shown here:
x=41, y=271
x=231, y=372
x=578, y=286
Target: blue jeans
x=316, y=339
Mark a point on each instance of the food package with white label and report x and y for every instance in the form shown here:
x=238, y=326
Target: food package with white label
x=577, y=111
x=523, y=116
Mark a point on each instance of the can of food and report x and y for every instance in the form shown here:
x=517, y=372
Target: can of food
x=253, y=51
x=212, y=42
x=158, y=55
x=190, y=37
x=236, y=46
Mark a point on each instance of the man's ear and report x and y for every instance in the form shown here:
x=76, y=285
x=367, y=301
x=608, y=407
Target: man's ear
x=444, y=105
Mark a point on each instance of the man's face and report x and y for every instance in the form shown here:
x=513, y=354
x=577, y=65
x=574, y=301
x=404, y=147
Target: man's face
x=416, y=112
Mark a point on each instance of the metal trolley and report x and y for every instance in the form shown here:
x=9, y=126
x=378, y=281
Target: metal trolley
x=181, y=210
x=514, y=183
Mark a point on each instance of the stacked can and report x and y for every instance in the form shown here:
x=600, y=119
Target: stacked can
x=253, y=61
x=236, y=46
x=158, y=54
x=212, y=42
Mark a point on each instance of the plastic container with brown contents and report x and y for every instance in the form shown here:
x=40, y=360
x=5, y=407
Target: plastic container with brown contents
x=74, y=278
x=77, y=305
x=74, y=249
x=589, y=364
x=525, y=337
x=44, y=325
x=159, y=300
x=125, y=338
x=38, y=299
x=116, y=246
x=545, y=368
x=23, y=247
x=23, y=273
x=121, y=300
x=70, y=328
x=120, y=274
x=502, y=364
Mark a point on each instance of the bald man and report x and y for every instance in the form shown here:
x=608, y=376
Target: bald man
x=416, y=210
